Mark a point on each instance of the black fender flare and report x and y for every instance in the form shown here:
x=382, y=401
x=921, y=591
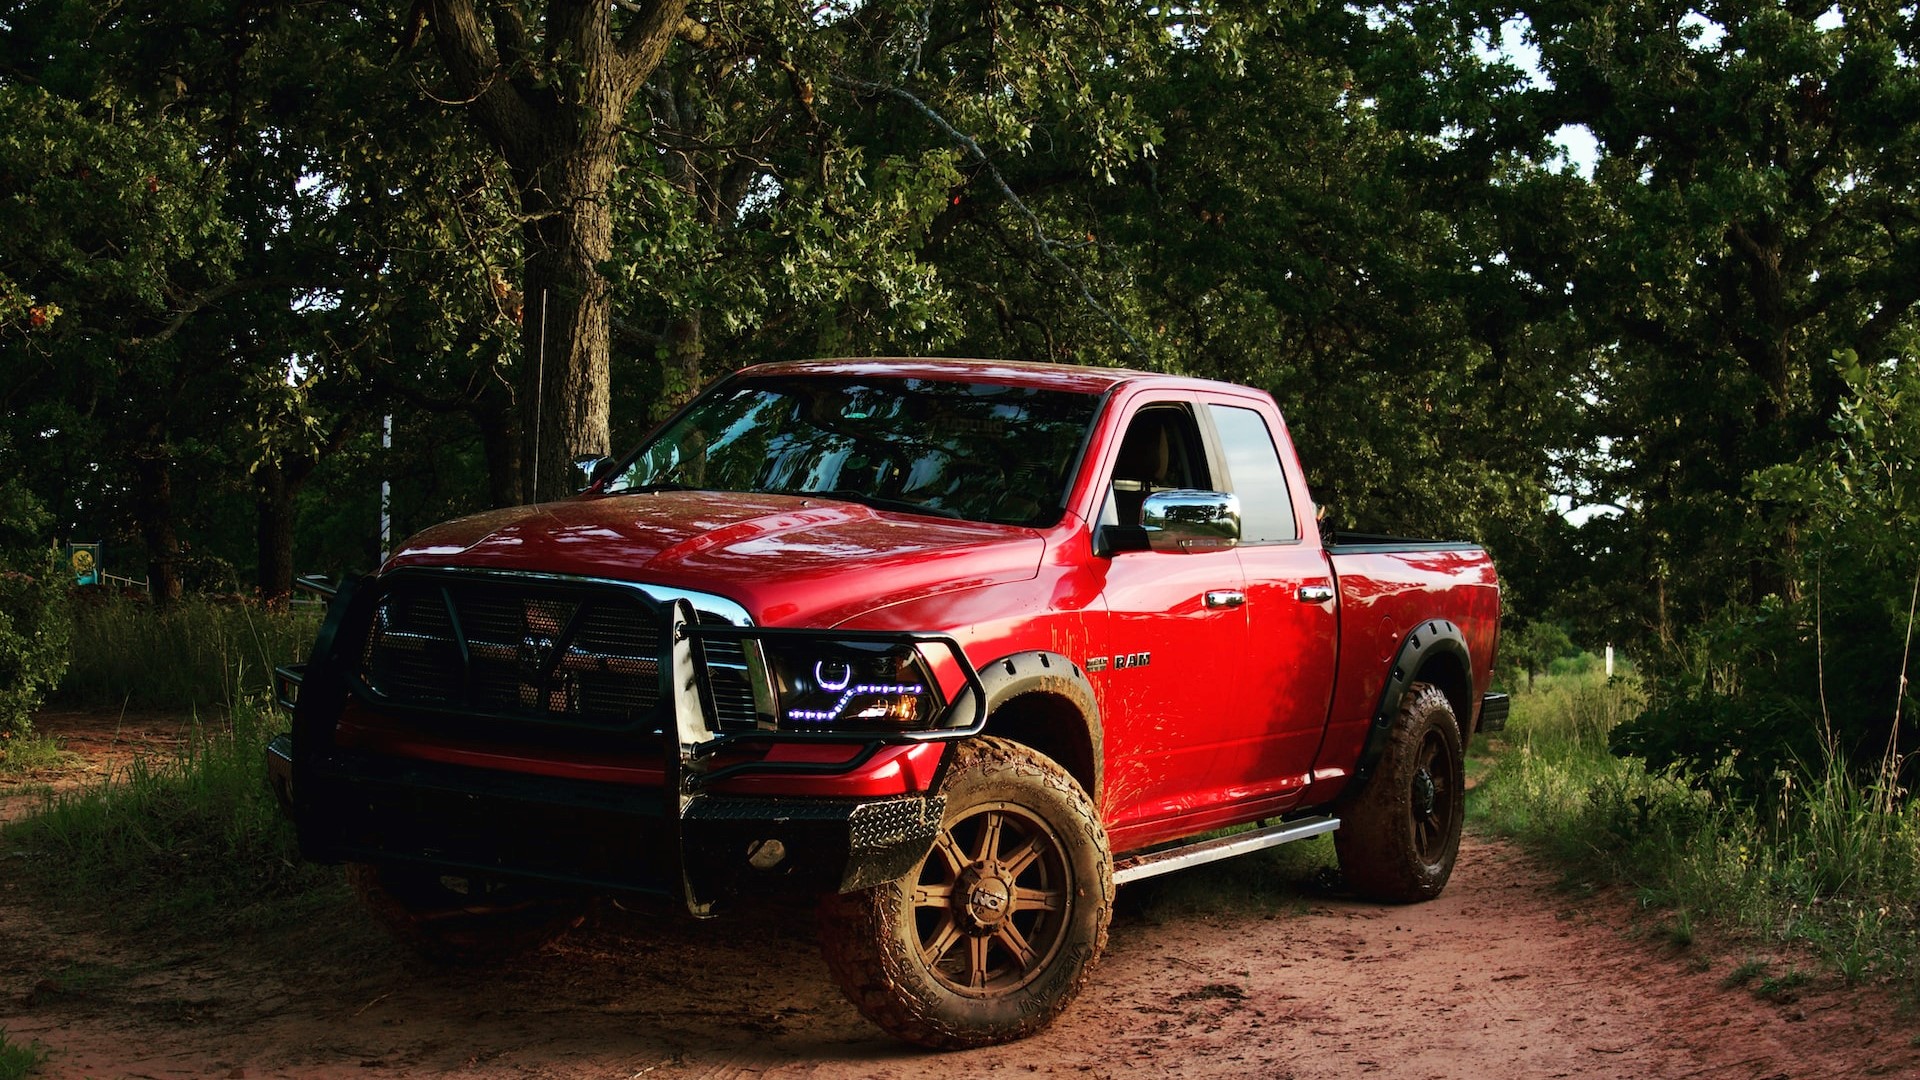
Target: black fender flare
x=1433, y=640
x=1042, y=671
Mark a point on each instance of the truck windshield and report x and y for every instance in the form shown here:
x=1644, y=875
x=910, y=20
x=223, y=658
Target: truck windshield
x=975, y=451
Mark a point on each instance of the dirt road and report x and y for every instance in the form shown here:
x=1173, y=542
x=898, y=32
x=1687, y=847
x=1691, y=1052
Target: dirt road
x=1505, y=977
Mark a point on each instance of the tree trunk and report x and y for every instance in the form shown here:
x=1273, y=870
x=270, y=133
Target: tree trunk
x=499, y=426
x=550, y=89
x=681, y=375
x=565, y=334
x=273, y=493
x=153, y=510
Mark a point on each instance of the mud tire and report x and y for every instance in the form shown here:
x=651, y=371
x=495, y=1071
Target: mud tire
x=1399, y=836
x=462, y=921
x=1005, y=803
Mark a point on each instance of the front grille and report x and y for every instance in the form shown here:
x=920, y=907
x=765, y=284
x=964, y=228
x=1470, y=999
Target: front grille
x=583, y=656
x=727, y=682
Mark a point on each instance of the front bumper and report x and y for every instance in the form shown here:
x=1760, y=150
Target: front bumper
x=680, y=838
x=592, y=835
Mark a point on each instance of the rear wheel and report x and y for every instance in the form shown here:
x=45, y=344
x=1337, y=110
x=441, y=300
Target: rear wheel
x=460, y=920
x=1398, y=838
x=996, y=931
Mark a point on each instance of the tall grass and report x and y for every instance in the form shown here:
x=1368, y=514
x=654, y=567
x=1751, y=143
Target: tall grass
x=201, y=652
x=1832, y=865
x=17, y=1061
x=195, y=842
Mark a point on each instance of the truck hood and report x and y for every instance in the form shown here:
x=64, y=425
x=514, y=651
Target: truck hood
x=789, y=560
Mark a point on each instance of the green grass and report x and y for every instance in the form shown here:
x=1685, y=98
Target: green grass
x=202, y=652
x=17, y=1061
x=1834, y=869
x=24, y=754
x=195, y=844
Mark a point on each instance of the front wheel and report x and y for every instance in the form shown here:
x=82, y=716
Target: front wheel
x=1398, y=838
x=996, y=931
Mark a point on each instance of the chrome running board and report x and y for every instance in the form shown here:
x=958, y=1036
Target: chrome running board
x=1167, y=860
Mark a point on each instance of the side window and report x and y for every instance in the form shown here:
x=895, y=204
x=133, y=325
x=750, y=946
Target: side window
x=1266, y=508
x=1160, y=452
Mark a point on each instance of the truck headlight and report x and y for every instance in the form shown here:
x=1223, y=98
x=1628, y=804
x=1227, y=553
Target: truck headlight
x=851, y=685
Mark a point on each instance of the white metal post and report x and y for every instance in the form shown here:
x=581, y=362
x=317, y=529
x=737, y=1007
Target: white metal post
x=386, y=490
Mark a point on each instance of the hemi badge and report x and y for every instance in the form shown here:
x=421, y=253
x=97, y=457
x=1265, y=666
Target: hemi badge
x=1096, y=664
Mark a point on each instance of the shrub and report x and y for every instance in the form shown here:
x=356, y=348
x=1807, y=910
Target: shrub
x=33, y=610
x=1769, y=693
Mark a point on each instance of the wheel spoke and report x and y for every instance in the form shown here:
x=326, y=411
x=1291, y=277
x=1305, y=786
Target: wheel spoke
x=942, y=943
x=938, y=896
x=1039, y=899
x=977, y=961
x=950, y=853
x=989, y=846
x=1017, y=860
x=1016, y=943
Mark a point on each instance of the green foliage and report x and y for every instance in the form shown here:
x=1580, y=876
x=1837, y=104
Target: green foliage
x=1768, y=693
x=1750, y=217
x=17, y=1061
x=197, y=844
x=201, y=652
x=24, y=755
x=33, y=610
x=1831, y=864
x=1535, y=647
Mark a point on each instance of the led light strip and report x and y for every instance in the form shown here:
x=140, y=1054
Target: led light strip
x=847, y=699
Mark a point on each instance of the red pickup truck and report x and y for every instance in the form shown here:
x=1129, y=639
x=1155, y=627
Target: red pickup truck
x=954, y=647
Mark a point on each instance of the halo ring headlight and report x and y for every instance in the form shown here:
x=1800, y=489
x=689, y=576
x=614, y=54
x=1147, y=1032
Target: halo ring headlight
x=832, y=676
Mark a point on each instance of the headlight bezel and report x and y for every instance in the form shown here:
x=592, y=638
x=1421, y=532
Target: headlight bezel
x=844, y=685
x=951, y=700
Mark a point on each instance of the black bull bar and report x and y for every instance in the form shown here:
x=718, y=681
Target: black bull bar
x=680, y=839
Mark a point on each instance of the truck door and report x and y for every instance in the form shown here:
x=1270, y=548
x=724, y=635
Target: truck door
x=1177, y=636
x=1281, y=701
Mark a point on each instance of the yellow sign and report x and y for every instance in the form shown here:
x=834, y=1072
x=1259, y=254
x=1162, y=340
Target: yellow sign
x=84, y=560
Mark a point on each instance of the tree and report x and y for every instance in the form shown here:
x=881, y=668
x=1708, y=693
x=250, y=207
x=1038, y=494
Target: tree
x=550, y=87
x=362, y=237
x=111, y=222
x=1755, y=213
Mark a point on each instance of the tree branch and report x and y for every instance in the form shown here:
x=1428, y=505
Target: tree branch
x=193, y=306
x=1034, y=225
x=648, y=34
x=478, y=76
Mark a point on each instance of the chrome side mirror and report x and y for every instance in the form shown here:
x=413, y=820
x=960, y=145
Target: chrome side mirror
x=591, y=469
x=1191, y=521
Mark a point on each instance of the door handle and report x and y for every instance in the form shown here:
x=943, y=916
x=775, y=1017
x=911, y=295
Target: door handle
x=1226, y=598
x=1315, y=594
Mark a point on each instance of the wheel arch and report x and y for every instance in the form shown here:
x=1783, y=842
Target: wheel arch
x=1434, y=652
x=1043, y=701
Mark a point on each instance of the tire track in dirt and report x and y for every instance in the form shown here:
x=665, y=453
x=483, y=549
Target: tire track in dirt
x=1502, y=977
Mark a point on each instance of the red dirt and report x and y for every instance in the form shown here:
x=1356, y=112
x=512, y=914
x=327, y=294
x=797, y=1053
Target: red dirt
x=1502, y=977
x=100, y=744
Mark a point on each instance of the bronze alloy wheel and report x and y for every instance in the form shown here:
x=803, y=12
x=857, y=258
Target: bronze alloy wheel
x=990, y=900
x=996, y=930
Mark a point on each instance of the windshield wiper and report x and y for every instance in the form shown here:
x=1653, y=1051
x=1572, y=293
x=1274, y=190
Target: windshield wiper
x=876, y=501
x=648, y=489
